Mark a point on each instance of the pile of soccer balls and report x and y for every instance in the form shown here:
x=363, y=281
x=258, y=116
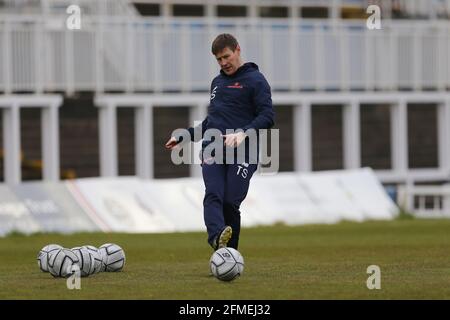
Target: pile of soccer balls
x=63, y=262
x=226, y=264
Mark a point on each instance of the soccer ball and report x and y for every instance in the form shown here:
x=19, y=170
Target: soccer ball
x=42, y=258
x=113, y=257
x=62, y=262
x=226, y=264
x=86, y=261
x=98, y=263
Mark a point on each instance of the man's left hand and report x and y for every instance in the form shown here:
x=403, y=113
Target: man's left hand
x=234, y=139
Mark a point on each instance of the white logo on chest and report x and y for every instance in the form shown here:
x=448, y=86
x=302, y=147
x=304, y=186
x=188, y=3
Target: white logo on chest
x=213, y=93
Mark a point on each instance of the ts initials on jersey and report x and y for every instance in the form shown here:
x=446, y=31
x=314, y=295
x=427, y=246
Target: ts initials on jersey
x=242, y=170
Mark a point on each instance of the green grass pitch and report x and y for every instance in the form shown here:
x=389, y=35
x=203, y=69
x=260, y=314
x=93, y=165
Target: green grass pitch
x=281, y=262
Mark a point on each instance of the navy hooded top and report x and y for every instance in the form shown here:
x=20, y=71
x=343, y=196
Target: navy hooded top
x=238, y=101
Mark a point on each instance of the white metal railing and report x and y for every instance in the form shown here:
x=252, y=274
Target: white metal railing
x=425, y=201
x=400, y=172
x=88, y=7
x=10, y=106
x=302, y=103
x=159, y=54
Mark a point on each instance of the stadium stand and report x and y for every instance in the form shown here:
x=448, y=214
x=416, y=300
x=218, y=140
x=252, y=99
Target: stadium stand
x=346, y=96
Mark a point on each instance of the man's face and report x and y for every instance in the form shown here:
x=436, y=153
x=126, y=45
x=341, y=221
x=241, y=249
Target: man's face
x=228, y=60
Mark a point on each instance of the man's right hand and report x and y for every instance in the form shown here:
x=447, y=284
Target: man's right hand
x=172, y=143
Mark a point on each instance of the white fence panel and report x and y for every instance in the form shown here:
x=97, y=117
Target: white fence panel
x=132, y=54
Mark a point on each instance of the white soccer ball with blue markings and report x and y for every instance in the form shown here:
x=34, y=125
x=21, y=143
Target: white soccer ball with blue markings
x=63, y=263
x=42, y=258
x=98, y=263
x=226, y=264
x=113, y=257
x=86, y=261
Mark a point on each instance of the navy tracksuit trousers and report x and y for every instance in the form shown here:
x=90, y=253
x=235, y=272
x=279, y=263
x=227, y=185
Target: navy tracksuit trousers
x=226, y=187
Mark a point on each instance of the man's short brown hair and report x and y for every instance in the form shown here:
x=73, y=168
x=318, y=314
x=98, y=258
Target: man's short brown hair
x=222, y=41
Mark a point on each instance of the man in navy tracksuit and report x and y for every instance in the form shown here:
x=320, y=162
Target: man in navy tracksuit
x=240, y=100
